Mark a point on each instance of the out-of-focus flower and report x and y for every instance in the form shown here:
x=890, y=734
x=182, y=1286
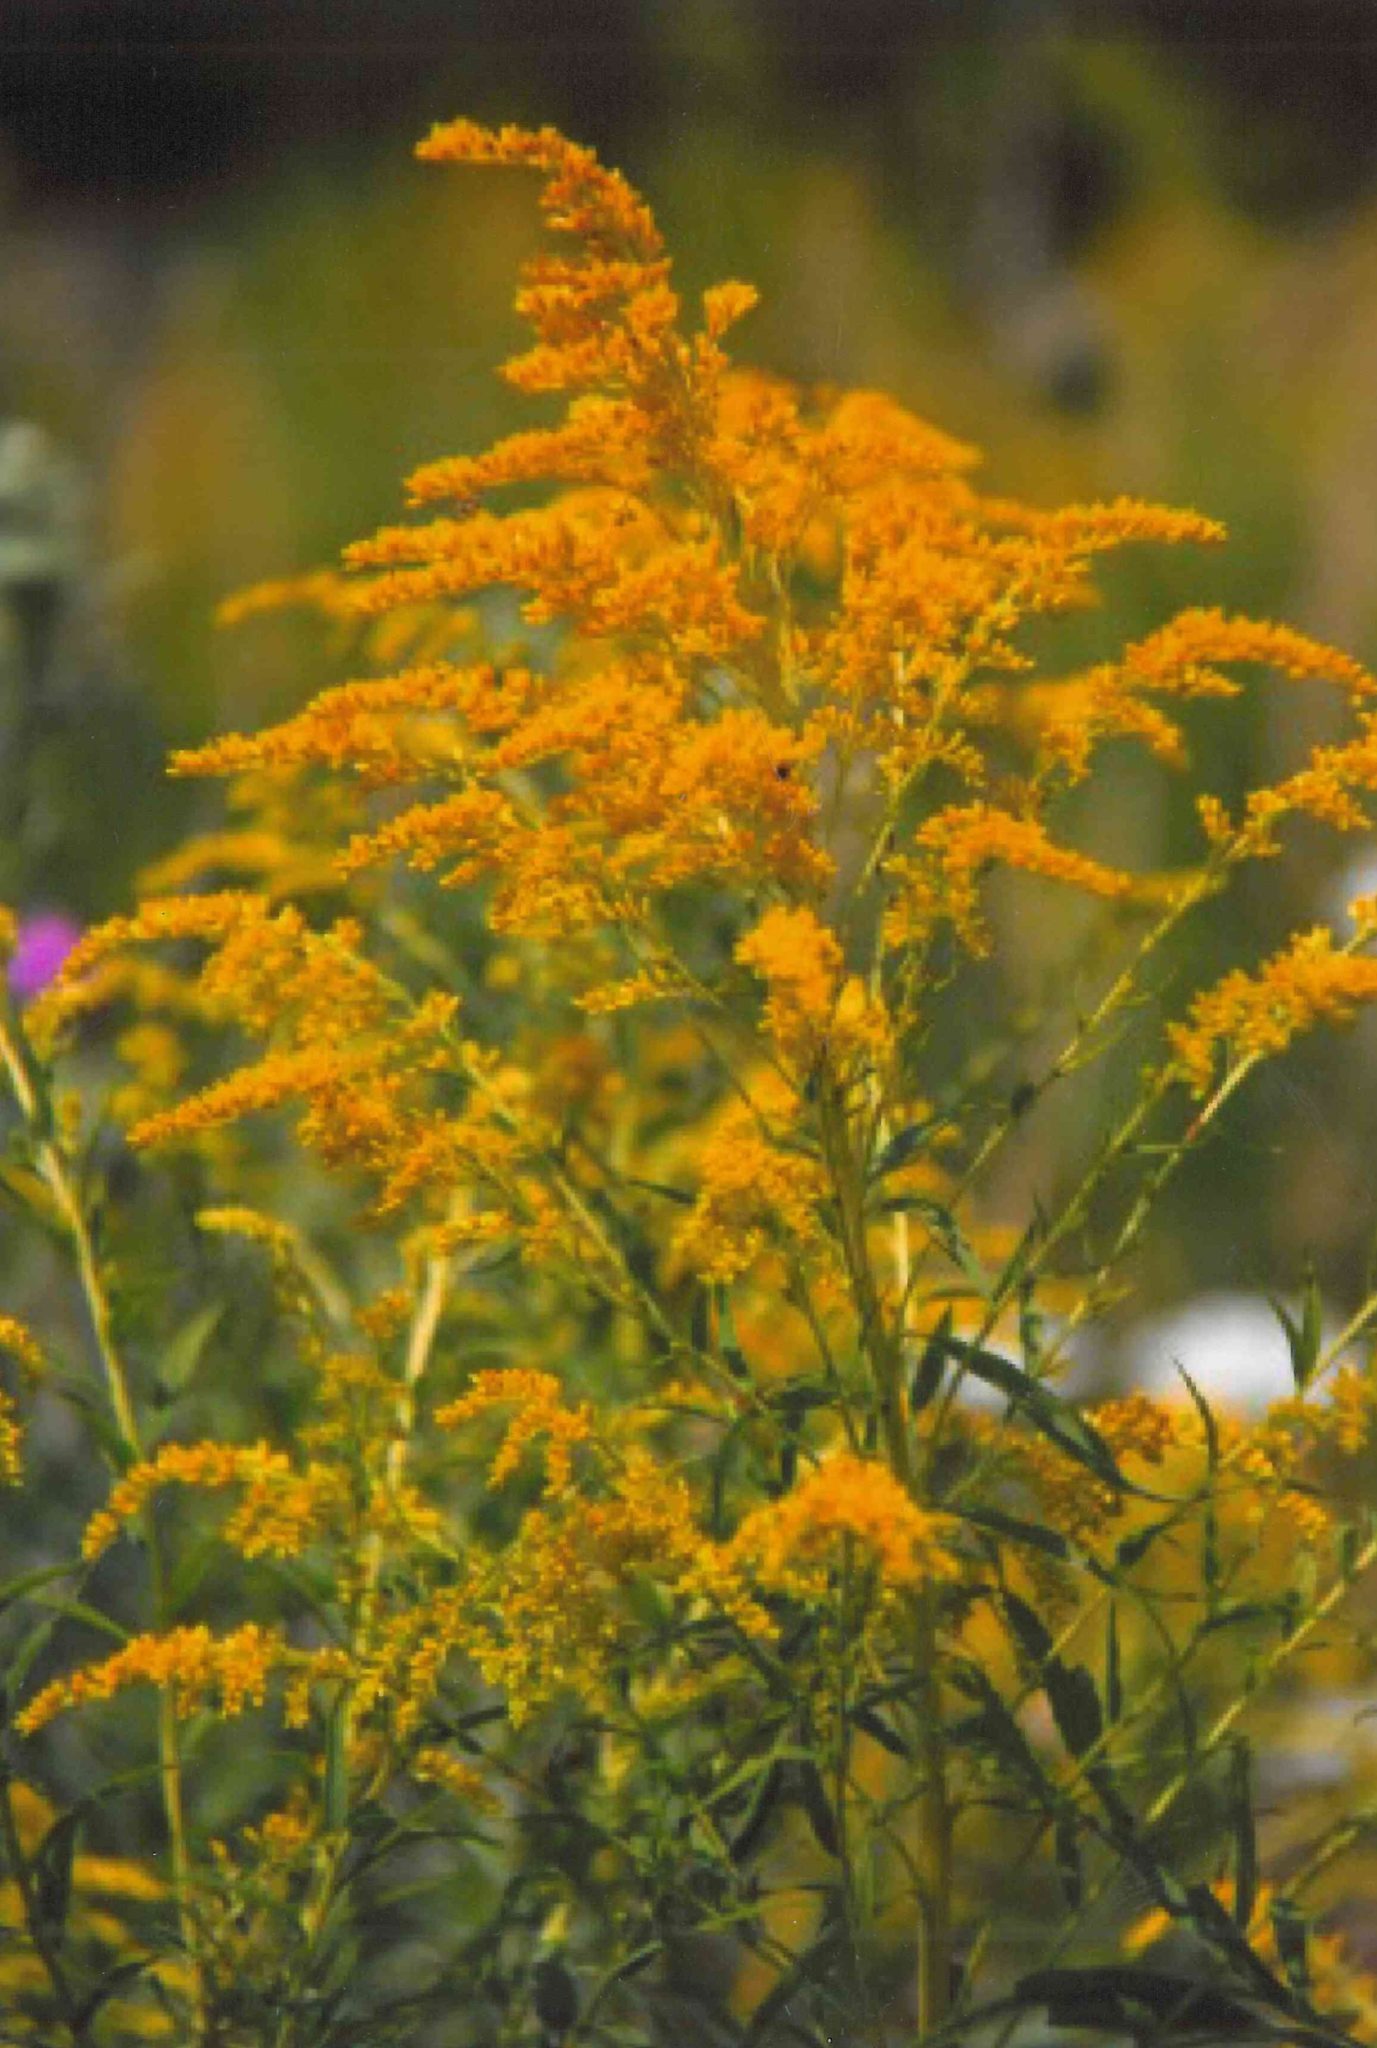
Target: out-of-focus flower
x=44, y=941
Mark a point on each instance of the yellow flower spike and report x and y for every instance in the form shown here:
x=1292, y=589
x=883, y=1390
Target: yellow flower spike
x=1254, y=1016
x=538, y=1399
x=281, y=1511
x=231, y=1672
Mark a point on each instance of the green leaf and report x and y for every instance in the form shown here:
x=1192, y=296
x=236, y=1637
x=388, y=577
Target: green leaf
x=554, y=1996
x=927, y=1373
x=1109, y=1996
x=807, y=1968
x=751, y=1834
x=1030, y=1632
x=1075, y=1705
x=29, y=1582
x=904, y=1146
x=1014, y=1280
x=32, y=1194
x=1305, y=1333
x=1222, y=1931
x=700, y=1321
x=720, y=1470
x=1207, y=1421
x=114, y=1980
x=1291, y=1931
x=1133, y=1549
x=26, y=1654
x=872, y=1724
x=77, y=1610
x=1113, y=1668
x=947, y=1232
x=183, y=1352
x=196, y=1559
x=1057, y=1419
x=659, y=1187
x=993, y=1728
x=815, y=1803
x=1070, y=1689
x=1015, y=1530
x=1245, y=1832
x=1236, y=1612
x=729, y=1346
x=97, y=1419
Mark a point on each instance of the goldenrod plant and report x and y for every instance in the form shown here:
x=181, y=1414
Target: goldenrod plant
x=606, y=1552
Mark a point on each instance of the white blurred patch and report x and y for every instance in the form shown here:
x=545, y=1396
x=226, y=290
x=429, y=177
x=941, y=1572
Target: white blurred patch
x=1358, y=878
x=1232, y=1345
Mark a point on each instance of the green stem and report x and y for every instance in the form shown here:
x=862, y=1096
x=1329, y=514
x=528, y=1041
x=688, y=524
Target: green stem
x=54, y=1171
x=323, y=1886
x=883, y=1346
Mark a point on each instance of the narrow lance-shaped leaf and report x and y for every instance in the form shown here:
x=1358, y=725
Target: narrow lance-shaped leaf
x=1225, y=1935
x=1304, y=1333
x=1013, y=1529
x=927, y=1373
x=183, y=1352
x=904, y=1146
x=1070, y=1689
x=1245, y=1833
x=729, y=1346
x=817, y=1806
x=1058, y=1420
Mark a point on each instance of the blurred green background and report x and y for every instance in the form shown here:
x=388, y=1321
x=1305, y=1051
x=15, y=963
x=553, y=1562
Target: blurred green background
x=1123, y=247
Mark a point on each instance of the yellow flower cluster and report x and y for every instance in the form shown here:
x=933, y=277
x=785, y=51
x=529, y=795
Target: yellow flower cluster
x=541, y=1413
x=1348, y=1409
x=601, y=313
x=754, y=1195
x=1072, y=1500
x=939, y=880
x=282, y=1508
x=791, y=1544
x=808, y=1006
x=545, y=1618
x=1253, y=1016
x=800, y=961
x=228, y=1672
x=19, y=1340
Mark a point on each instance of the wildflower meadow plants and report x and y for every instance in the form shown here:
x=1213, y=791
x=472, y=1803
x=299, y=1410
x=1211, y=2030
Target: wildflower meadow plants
x=551, y=1583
